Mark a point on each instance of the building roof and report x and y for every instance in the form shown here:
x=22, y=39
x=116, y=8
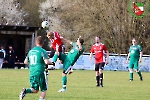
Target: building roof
x=18, y=28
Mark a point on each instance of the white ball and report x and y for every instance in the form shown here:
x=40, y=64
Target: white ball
x=45, y=24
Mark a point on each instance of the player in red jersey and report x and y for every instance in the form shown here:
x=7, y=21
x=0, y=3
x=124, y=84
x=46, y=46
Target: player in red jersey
x=56, y=42
x=100, y=60
x=56, y=45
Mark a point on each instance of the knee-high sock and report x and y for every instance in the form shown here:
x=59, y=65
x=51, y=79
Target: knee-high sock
x=41, y=99
x=97, y=80
x=131, y=75
x=139, y=73
x=64, y=82
x=101, y=79
x=28, y=90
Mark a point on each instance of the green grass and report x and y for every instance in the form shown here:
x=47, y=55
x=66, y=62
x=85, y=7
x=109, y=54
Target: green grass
x=81, y=86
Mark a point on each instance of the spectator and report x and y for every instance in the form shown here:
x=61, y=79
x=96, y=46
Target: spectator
x=2, y=56
x=11, y=57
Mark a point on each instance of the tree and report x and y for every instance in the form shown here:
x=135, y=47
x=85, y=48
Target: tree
x=109, y=19
x=11, y=13
x=32, y=7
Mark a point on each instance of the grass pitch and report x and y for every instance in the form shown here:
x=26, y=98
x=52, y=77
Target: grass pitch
x=81, y=86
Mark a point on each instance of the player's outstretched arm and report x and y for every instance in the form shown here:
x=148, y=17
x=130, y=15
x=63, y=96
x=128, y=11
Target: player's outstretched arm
x=128, y=58
x=107, y=57
x=79, y=44
x=26, y=61
x=141, y=54
x=47, y=62
x=91, y=54
x=66, y=40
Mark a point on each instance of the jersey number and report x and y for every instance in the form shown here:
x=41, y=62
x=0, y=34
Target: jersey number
x=33, y=59
x=132, y=51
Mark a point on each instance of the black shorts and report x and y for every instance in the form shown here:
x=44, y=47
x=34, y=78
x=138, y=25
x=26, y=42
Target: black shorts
x=99, y=66
x=52, y=53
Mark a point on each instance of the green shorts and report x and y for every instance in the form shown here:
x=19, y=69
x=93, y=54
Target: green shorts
x=134, y=64
x=62, y=57
x=66, y=63
x=66, y=66
x=39, y=80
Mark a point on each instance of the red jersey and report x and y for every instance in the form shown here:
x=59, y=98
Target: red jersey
x=56, y=42
x=99, y=50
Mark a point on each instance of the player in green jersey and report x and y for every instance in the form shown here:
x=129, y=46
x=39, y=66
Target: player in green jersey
x=135, y=55
x=36, y=59
x=70, y=59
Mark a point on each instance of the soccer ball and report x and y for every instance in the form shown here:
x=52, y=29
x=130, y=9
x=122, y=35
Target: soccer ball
x=45, y=24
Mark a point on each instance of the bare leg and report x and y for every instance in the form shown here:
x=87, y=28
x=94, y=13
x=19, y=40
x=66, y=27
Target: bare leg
x=43, y=95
